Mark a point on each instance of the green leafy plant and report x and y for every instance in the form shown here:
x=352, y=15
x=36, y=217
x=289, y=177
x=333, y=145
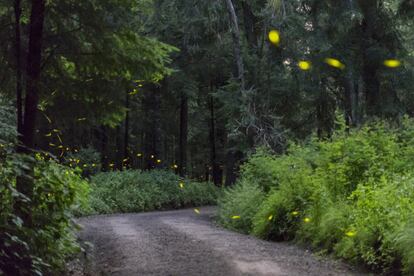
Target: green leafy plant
x=42, y=247
x=137, y=191
x=238, y=205
x=352, y=195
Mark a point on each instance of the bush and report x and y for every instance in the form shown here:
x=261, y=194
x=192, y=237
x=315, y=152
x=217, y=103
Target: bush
x=137, y=191
x=43, y=247
x=238, y=205
x=352, y=195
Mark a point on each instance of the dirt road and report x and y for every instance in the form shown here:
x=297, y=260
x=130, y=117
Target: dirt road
x=185, y=243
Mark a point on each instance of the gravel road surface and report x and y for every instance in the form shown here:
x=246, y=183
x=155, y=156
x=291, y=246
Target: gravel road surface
x=183, y=243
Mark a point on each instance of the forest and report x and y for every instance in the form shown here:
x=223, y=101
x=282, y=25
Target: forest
x=294, y=117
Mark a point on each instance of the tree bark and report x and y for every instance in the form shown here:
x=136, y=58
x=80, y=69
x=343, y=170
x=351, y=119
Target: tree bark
x=126, y=133
x=235, y=31
x=351, y=101
x=250, y=25
x=232, y=155
x=33, y=71
x=104, y=148
x=18, y=56
x=119, y=149
x=152, y=126
x=24, y=182
x=183, y=135
x=213, y=154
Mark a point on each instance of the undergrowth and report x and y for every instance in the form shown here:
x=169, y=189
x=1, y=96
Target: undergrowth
x=138, y=191
x=352, y=195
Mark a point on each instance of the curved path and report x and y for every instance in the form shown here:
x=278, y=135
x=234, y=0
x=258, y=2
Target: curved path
x=185, y=243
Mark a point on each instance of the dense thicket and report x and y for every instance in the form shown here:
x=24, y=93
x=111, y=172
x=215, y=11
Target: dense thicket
x=138, y=191
x=352, y=196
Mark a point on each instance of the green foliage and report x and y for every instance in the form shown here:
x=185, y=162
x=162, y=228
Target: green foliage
x=43, y=247
x=137, y=191
x=240, y=200
x=89, y=160
x=404, y=241
x=8, y=131
x=352, y=195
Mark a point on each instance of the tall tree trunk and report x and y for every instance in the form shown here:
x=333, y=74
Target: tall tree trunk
x=237, y=47
x=24, y=182
x=152, y=126
x=183, y=135
x=126, y=133
x=33, y=71
x=351, y=101
x=213, y=154
x=119, y=154
x=18, y=55
x=231, y=158
x=250, y=25
x=104, y=148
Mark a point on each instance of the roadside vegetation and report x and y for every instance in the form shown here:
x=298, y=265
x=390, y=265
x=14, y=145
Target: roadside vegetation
x=42, y=245
x=142, y=191
x=351, y=195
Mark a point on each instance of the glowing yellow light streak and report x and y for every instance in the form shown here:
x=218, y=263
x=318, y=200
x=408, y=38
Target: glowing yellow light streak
x=274, y=37
x=334, y=63
x=392, y=63
x=304, y=65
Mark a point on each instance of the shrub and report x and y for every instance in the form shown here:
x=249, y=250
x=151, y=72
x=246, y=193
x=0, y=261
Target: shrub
x=137, y=191
x=42, y=247
x=238, y=205
x=352, y=195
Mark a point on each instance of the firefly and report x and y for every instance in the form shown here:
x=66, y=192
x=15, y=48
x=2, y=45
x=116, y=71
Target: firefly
x=274, y=37
x=306, y=220
x=197, y=211
x=295, y=213
x=392, y=63
x=270, y=217
x=334, y=63
x=235, y=217
x=175, y=166
x=81, y=119
x=48, y=135
x=181, y=185
x=304, y=65
x=158, y=161
x=152, y=156
x=351, y=233
x=139, y=154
